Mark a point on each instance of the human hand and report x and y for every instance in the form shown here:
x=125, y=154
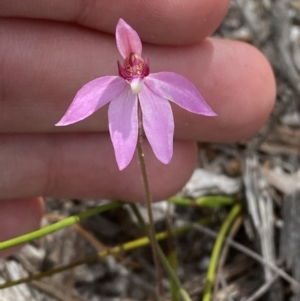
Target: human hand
x=50, y=49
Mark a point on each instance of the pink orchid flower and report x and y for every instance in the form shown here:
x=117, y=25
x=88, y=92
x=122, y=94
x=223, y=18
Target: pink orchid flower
x=134, y=86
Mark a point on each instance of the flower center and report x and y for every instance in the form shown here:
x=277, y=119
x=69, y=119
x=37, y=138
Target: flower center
x=134, y=64
x=134, y=71
x=134, y=67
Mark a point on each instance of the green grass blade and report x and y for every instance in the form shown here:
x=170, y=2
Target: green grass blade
x=234, y=213
x=58, y=226
x=172, y=259
x=129, y=246
x=204, y=201
x=164, y=261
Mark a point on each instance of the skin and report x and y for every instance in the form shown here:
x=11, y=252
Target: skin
x=49, y=49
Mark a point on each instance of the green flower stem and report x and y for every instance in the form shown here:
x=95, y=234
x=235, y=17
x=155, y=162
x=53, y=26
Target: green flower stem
x=164, y=261
x=129, y=246
x=204, y=201
x=234, y=213
x=172, y=259
x=58, y=226
x=148, y=203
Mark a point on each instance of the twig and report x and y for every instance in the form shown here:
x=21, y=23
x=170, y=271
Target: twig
x=99, y=246
x=281, y=28
x=260, y=207
x=263, y=289
x=259, y=36
x=52, y=290
x=250, y=253
x=225, y=287
x=131, y=245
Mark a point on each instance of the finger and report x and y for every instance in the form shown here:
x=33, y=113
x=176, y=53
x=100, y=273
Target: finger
x=162, y=22
x=43, y=66
x=18, y=217
x=83, y=165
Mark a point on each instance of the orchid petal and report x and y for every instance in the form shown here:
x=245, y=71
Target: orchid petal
x=179, y=90
x=158, y=124
x=123, y=126
x=91, y=97
x=127, y=39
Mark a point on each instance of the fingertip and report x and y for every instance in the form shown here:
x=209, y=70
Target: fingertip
x=254, y=92
x=265, y=83
x=237, y=82
x=175, y=22
x=164, y=22
x=18, y=217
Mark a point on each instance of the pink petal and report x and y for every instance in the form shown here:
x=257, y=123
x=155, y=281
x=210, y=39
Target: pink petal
x=91, y=97
x=179, y=90
x=158, y=124
x=127, y=39
x=123, y=126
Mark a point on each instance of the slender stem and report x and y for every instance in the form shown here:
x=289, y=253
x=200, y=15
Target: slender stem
x=148, y=202
x=126, y=247
x=181, y=291
x=171, y=256
x=234, y=213
x=204, y=201
x=58, y=226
